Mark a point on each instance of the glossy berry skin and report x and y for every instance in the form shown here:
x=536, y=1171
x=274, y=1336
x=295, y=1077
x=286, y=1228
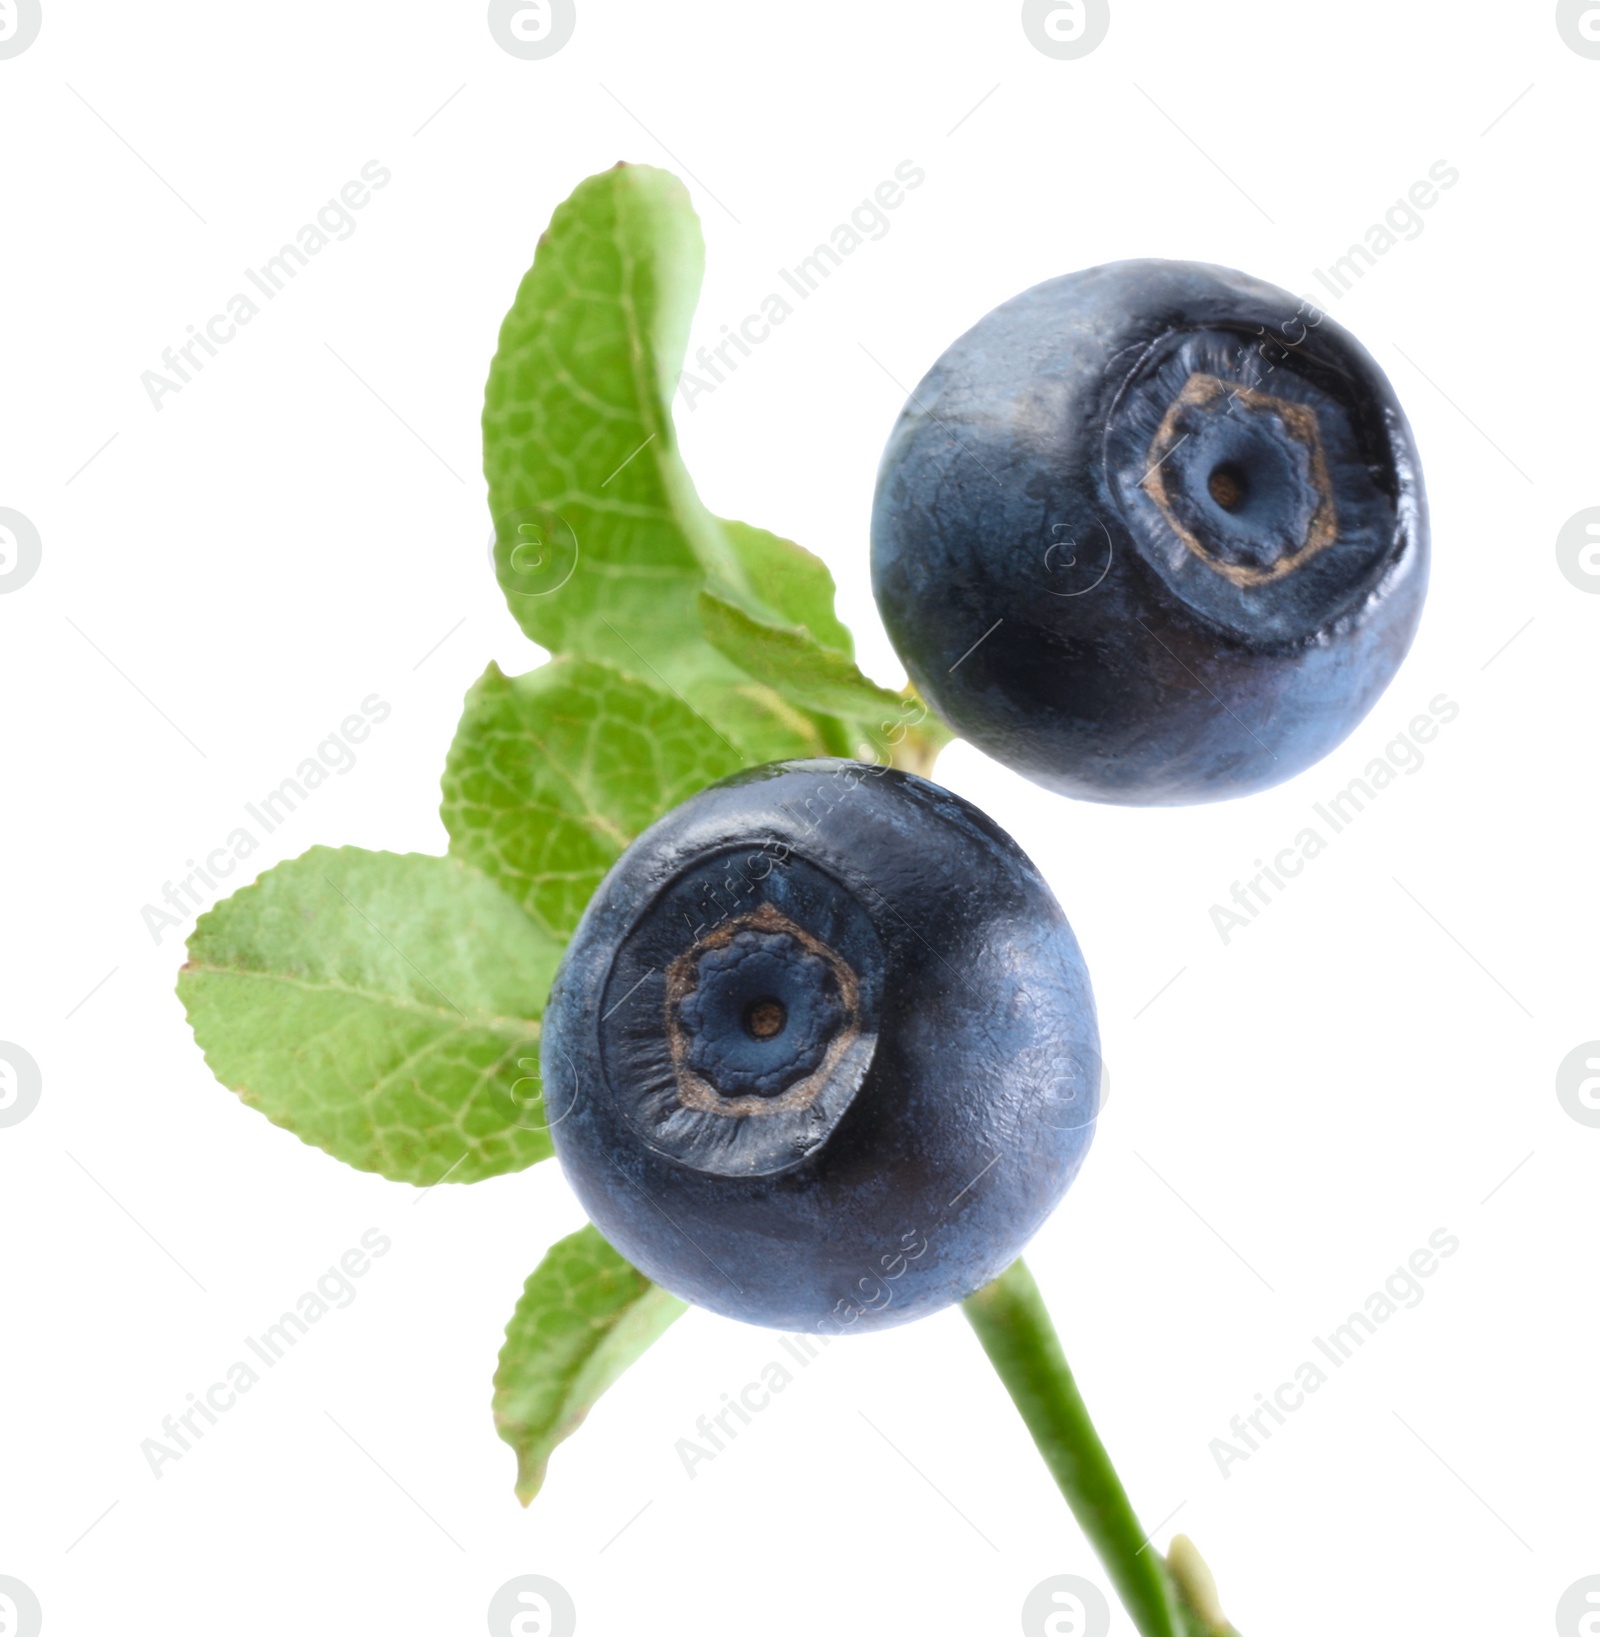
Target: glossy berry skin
x=822, y=1052
x=1152, y=533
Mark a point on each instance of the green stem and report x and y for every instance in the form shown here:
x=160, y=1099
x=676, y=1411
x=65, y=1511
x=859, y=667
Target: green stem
x=1010, y=1319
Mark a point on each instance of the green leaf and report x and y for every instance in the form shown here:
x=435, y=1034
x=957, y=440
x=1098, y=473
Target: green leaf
x=791, y=660
x=584, y=1317
x=794, y=583
x=381, y=1006
x=552, y=774
x=601, y=543
x=860, y=717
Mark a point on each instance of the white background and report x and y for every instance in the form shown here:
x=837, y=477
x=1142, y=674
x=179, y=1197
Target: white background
x=1292, y=1116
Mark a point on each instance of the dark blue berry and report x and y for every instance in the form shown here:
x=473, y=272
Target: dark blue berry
x=1154, y=532
x=822, y=1052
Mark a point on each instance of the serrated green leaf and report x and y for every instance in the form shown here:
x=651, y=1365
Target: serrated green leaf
x=791, y=659
x=601, y=543
x=381, y=1006
x=865, y=720
x=552, y=774
x=795, y=583
x=585, y=1315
